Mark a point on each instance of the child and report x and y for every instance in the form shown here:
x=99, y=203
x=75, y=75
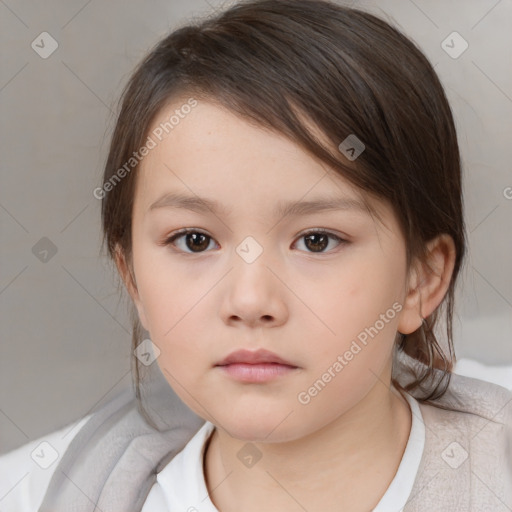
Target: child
x=308, y=152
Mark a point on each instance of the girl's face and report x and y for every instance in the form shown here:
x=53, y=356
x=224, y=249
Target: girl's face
x=253, y=277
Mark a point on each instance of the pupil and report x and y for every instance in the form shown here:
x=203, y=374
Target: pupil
x=195, y=237
x=315, y=247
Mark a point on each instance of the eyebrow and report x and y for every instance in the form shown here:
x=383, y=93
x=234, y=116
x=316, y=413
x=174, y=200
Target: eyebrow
x=283, y=209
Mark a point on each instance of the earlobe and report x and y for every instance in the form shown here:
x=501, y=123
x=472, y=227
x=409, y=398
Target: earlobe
x=428, y=283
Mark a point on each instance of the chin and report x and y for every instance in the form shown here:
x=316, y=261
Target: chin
x=271, y=428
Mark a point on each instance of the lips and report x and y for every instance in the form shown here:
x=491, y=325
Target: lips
x=254, y=357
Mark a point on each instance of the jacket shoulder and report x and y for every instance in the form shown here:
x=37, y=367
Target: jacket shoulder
x=467, y=458
x=476, y=399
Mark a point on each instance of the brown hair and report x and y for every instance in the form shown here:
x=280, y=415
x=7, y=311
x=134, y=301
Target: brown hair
x=283, y=63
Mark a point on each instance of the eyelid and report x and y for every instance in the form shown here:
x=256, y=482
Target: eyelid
x=327, y=231
x=184, y=231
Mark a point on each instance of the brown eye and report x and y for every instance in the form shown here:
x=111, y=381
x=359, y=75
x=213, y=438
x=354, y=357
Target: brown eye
x=317, y=241
x=197, y=242
x=194, y=241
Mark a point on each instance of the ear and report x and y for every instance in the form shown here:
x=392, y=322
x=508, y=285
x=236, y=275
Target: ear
x=128, y=276
x=428, y=283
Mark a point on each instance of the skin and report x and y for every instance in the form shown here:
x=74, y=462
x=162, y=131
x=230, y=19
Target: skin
x=306, y=306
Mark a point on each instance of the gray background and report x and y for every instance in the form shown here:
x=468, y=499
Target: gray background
x=65, y=334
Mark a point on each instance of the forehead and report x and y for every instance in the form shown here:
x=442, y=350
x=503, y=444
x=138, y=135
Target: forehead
x=209, y=152
x=211, y=145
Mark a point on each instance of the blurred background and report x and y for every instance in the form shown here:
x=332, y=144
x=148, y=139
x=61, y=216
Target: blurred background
x=65, y=333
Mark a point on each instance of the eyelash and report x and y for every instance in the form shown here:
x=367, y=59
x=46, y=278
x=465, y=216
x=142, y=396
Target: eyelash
x=178, y=234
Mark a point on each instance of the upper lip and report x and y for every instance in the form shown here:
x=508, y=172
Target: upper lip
x=253, y=357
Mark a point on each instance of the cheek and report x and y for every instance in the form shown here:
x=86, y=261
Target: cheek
x=171, y=307
x=354, y=313
x=343, y=303
x=174, y=324
x=169, y=296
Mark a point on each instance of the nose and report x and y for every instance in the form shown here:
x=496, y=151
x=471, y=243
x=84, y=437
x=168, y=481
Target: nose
x=253, y=295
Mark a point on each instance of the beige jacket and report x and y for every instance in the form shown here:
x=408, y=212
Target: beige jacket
x=467, y=459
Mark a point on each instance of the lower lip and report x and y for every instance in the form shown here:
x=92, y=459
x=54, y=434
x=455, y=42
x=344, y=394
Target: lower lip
x=262, y=372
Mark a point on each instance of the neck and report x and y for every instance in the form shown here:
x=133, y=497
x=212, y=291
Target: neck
x=349, y=462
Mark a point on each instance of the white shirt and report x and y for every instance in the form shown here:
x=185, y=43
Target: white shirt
x=24, y=479
x=26, y=472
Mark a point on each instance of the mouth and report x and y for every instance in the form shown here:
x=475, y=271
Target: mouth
x=256, y=373
x=255, y=367
x=259, y=357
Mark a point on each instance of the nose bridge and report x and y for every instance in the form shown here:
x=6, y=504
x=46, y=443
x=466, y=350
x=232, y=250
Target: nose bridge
x=254, y=293
x=251, y=261
x=250, y=250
